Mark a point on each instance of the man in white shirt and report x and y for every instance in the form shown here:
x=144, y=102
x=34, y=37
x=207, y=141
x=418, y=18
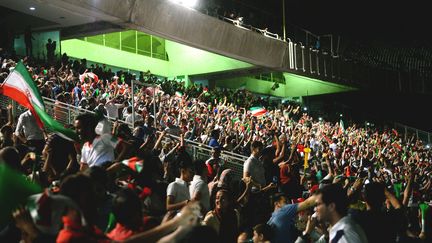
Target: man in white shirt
x=29, y=132
x=178, y=191
x=253, y=167
x=128, y=118
x=331, y=207
x=198, y=188
x=112, y=108
x=96, y=150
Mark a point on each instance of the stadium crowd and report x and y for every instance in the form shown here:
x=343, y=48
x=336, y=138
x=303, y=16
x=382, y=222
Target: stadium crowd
x=305, y=180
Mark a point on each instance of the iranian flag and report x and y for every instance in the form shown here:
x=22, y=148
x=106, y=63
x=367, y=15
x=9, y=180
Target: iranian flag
x=236, y=121
x=397, y=145
x=341, y=127
x=88, y=76
x=20, y=87
x=134, y=164
x=258, y=111
x=178, y=94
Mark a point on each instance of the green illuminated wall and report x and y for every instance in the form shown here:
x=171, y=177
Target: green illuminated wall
x=188, y=60
x=114, y=57
x=294, y=86
x=182, y=59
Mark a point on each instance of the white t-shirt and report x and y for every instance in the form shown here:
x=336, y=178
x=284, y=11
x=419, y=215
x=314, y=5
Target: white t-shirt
x=199, y=185
x=179, y=190
x=100, y=151
x=112, y=109
x=138, y=117
x=346, y=230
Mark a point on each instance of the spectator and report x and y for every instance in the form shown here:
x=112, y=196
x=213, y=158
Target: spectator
x=380, y=225
x=284, y=215
x=178, y=192
x=97, y=150
x=60, y=157
x=198, y=188
x=50, y=47
x=214, y=139
x=28, y=132
x=253, y=167
x=128, y=213
x=28, y=40
x=331, y=207
x=262, y=233
x=224, y=218
x=215, y=164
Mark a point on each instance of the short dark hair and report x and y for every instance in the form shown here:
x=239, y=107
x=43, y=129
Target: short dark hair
x=185, y=164
x=199, y=167
x=334, y=193
x=264, y=229
x=374, y=194
x=276, y=197
x=126, y=206
x=88, y=119
x=256, y=144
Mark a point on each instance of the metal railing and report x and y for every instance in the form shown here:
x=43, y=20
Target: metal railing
x=203, y=152
x=408, y=131
x=66, y=114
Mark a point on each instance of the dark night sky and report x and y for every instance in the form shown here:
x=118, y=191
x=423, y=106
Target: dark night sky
x=369, y=20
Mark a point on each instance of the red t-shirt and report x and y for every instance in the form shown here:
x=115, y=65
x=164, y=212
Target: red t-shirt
x=74, y=232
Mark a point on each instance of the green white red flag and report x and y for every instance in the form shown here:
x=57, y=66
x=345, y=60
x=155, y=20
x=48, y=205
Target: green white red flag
x=134, y=164
x=20, y=87
x=258, y=111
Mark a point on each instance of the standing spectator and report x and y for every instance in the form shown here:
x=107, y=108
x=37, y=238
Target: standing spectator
x=97, y=150
x=28, y=37
x=60, y=156
x=215, y=165
x=50, y=47
x=380, y=225
x=178, y=194
x=28, y=132
x=284, y=215
x=331, y=207
x=112, y=108
x=253, y=167
x=77, y=94
x=214, y=136
x=198, y=188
